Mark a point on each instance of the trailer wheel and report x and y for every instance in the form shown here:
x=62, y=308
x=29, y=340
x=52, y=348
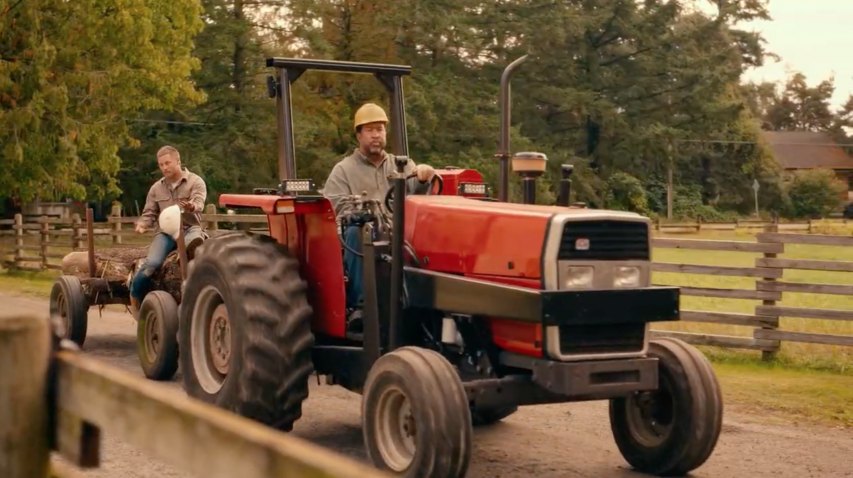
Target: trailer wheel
x=415, y=415
x=69, y=309
x=481, y=416
x=245, y=329
x=674, y=429
x=157, y=335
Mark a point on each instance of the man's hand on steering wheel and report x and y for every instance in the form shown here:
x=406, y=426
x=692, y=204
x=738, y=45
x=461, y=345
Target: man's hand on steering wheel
x=436, y=183
x=424, y=172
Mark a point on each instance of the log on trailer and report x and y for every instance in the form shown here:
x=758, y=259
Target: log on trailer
x=115, y=266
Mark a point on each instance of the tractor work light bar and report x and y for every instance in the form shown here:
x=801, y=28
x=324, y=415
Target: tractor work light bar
x=297, y=186
x=473, y=189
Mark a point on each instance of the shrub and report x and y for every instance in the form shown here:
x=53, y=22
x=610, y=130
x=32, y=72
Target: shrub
x=687, y=204
x=814, y=193
x=625, y=192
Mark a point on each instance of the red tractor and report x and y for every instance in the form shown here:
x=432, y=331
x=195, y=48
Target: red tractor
x=472, y=308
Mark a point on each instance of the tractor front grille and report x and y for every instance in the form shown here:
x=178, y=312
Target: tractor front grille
x=605, y=240
x=598, y=339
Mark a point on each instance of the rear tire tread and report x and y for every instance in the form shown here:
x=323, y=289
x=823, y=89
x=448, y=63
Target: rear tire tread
x=277, y=339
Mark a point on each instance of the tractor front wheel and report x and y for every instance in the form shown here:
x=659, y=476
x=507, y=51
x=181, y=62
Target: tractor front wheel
x=157, y=335
x=415, y=415
x=245, y=329
x=69, y=309
x=671, y=430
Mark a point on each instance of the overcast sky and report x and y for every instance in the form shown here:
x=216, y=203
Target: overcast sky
x=814, y=37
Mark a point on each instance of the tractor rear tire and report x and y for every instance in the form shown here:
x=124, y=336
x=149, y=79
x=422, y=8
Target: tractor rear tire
x=245, y=329
x=69, y=309
x=674, y=429
x=481, y=416
x=157, y=335
x=415, y=414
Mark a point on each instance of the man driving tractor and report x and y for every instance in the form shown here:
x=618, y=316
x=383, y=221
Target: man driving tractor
x=366, y=172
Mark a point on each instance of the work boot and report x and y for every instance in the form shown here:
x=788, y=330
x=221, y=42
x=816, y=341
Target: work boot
x=192, y=246
x=134, y=307
x=355, y=325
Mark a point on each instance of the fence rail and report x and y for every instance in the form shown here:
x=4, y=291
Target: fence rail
x=92, y=398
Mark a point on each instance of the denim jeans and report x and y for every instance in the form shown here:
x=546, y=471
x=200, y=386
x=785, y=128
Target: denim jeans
x=353, y=266
x=160, y=247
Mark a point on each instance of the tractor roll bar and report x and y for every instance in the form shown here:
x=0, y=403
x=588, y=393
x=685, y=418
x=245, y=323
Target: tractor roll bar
x=290, y=69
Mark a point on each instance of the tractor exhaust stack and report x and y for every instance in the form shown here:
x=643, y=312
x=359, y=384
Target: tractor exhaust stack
x=503, y=152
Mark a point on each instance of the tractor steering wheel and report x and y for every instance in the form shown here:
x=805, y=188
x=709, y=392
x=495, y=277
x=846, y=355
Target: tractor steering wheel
x=436, y=179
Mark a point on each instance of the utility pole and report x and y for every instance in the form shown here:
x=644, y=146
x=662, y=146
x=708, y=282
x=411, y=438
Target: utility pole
x=669, y=187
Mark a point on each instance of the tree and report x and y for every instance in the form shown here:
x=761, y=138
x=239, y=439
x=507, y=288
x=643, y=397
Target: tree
x=802, y=108
x=71, y=76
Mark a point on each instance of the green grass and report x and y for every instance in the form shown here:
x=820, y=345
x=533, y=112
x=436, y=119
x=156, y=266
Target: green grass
x=789, y=394
x=29, y=283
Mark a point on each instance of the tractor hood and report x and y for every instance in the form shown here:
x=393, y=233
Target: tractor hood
x=481, y=238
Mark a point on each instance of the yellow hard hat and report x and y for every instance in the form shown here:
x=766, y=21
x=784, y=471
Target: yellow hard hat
x=369, y=113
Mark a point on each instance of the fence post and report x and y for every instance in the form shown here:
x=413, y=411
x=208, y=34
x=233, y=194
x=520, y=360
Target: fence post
x=773, y=225
x=44, y=240
x=19, y=240
x=76, y=235
x=115, y=214
x=25, y=352
x=768, y=355
x=212, y=225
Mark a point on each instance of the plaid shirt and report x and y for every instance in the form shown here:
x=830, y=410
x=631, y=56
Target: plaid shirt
x=162, y=195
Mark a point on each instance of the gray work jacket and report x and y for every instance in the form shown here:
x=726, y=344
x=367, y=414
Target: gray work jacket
x=355, y=174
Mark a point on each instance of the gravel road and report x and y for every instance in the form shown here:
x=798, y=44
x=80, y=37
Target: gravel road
x=567, y=440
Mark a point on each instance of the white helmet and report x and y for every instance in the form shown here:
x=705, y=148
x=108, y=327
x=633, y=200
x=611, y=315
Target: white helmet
x=170, y=221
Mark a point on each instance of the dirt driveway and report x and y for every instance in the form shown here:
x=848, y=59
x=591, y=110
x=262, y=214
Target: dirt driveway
x=568, y=440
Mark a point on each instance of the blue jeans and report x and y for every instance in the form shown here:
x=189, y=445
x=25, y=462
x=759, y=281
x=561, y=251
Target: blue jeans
x=160, y=247
x=353, y=267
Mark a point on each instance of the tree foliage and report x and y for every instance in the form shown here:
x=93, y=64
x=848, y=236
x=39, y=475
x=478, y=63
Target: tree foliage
x=71, y=76
x=616, y=87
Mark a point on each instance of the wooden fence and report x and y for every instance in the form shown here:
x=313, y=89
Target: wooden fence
x=810, y=226
x=41, y=243
x=90, y=398
x=768, y=271
x=50, y=239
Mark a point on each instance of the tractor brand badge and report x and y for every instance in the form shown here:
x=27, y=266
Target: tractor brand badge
x=581, y=244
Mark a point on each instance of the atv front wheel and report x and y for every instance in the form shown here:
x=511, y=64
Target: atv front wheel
x=245, y=329
x=415, y=415
x=671, y=430
x=157, y=335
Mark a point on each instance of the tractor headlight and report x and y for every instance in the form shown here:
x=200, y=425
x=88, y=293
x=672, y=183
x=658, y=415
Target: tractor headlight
x=578, y=277
x=626, y=276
